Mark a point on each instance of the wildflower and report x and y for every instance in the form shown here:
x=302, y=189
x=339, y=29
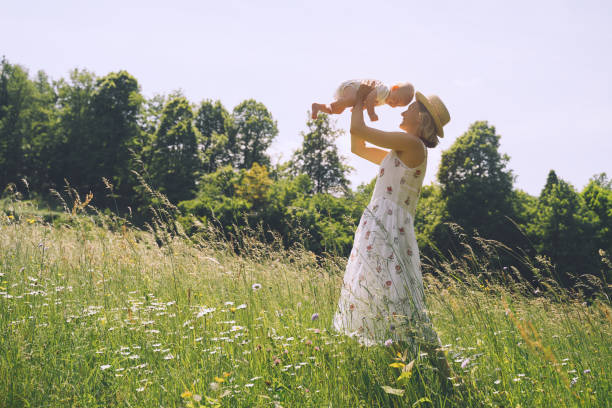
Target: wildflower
x=256, y=286
x=586, y=371
x=277, y=361
x=219, y=379
x=465, y=363
x=204, y=311
x=388, y=342
x=496, y=381
x=168, y=357
x=186, y=394
x=317, y=348
x=314, y=316
x=249, y=385
x=308, y=342
x=214, y=386
x=573, y=381
x=197, y=397
x=242, y=306
x=232, y=309
x=105, y=367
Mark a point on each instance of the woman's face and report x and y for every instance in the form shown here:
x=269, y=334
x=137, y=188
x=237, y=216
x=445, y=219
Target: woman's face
x=411, y=118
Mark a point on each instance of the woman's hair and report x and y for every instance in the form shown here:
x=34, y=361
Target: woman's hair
x=427, y=127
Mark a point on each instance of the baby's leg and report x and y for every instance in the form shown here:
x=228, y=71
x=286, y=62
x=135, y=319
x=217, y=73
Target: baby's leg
x=319, y=107
x=339, y=106
x=344, y=100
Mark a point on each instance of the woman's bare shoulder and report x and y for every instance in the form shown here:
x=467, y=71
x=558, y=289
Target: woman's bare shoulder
x=414, y=154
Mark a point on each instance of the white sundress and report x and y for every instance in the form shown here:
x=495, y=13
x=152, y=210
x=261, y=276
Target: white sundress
x=382, y=292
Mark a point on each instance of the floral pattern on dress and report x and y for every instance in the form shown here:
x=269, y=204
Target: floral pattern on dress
x=385, y=288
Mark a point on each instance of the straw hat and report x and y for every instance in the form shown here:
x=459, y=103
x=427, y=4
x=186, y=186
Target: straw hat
x=436, y=108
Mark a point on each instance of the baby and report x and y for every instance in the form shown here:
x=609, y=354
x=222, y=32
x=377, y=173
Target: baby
x=399, y=95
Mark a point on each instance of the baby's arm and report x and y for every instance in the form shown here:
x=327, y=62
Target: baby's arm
x=370, y=103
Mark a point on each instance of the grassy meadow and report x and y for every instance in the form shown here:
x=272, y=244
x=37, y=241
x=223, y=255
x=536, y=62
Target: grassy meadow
x=94, y=314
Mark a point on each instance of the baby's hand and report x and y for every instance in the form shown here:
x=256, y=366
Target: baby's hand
x=370, y=102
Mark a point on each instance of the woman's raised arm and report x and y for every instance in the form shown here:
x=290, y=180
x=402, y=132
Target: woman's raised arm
x=360, y=132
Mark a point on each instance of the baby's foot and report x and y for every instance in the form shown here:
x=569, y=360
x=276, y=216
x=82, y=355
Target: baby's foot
x=316, y=108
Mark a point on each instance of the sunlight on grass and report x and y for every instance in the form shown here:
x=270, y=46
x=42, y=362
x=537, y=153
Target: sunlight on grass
x=98, y=314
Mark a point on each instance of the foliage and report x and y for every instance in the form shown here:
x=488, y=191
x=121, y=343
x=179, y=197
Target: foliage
x=174, y=157
x=318, y=157
x=127, y=322
x=101, y=135
x=252, y=131
x=563, y=228
x=475, y=184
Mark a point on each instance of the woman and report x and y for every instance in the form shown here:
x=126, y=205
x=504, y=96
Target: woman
x=382, y=294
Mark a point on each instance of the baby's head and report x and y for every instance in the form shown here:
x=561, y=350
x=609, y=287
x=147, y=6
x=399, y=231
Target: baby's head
x=401, y=94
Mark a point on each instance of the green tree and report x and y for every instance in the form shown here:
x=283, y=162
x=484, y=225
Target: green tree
x=115, y=108
x=253, y=185
x=69, y=154
x=477, y=187
x=564, y=229
x=42, y=134
x=252, y=132
x=430, y=213
x=174, y=158
x=597, y=195
x=318, y=157
x=213, y=122
x=16, y=94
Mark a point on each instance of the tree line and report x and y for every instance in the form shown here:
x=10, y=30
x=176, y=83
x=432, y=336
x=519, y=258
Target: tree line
x=100, y=134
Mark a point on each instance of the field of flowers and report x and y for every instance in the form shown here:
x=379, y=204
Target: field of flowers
x=94, y=316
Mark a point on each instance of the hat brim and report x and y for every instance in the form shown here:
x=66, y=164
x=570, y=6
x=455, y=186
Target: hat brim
x=421, y=98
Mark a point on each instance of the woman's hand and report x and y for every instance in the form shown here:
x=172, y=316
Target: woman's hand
x=364, y=89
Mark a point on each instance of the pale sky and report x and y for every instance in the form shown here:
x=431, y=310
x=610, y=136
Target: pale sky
x=539, y=71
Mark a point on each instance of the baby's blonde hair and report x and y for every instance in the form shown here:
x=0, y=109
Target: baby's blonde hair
x=427, y=127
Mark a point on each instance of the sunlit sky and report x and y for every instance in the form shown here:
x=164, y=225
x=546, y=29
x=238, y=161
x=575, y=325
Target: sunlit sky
x=539, y=71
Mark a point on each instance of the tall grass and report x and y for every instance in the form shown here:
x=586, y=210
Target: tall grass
x=95, y=312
